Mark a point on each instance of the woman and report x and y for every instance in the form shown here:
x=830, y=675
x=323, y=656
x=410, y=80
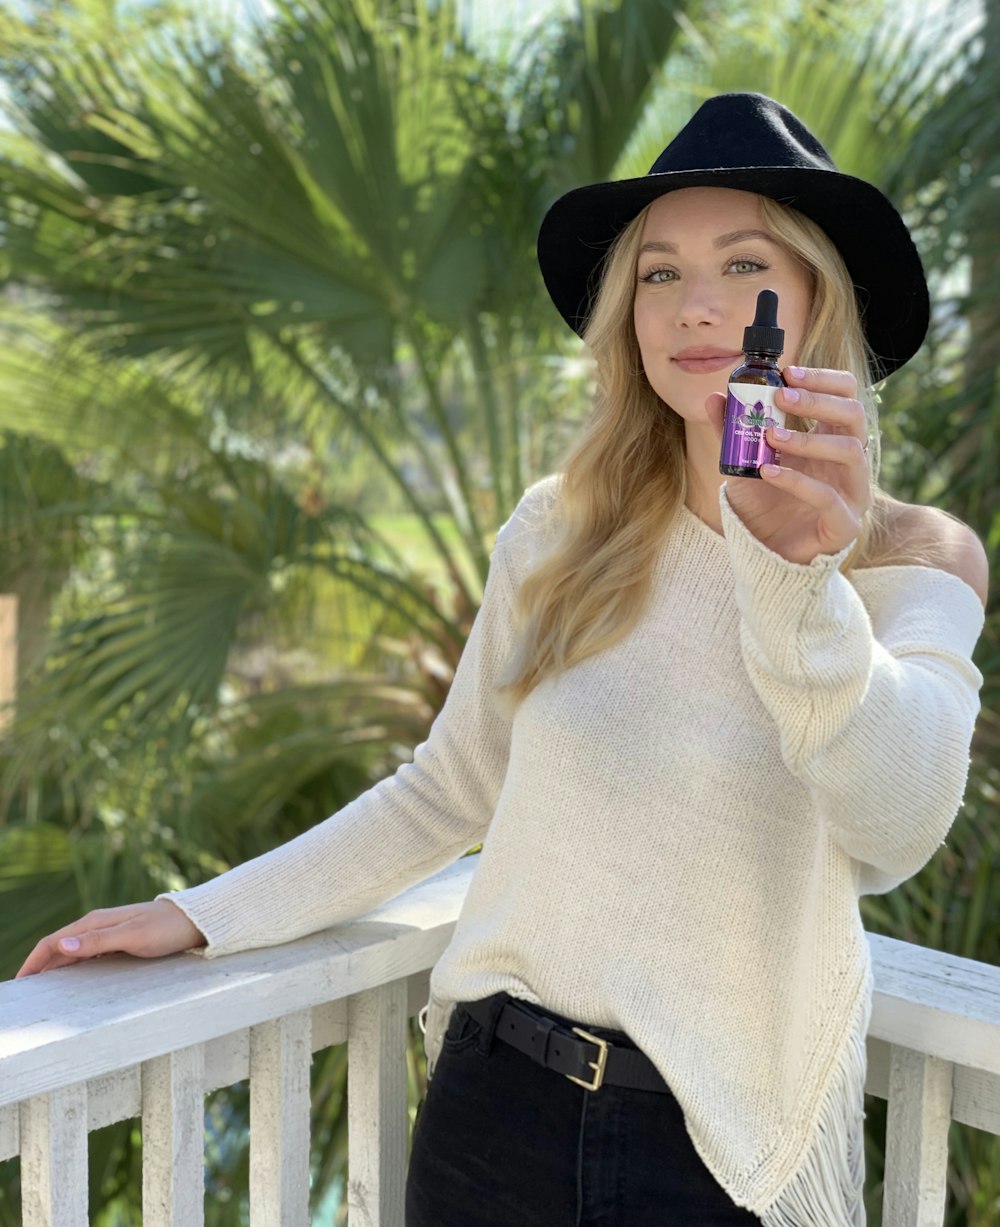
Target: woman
x=694, y=721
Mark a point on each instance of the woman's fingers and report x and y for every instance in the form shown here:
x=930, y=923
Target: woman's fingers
x=83, y=939
x=97, y=941
x=829, y=398
x=820, y=379
x=40, y=960
x=49, y=950
x=62, y=952
x=837, y=413
x=836, y=524
x=840, y=449
x=147, y=930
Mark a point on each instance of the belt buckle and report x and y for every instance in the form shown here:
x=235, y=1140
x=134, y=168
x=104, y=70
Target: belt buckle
x=597, y=1066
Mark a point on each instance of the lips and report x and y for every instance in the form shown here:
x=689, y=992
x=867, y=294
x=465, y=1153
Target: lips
x=706, y=361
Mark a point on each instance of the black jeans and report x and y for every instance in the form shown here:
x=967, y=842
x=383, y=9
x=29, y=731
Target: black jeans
x=501, y=1141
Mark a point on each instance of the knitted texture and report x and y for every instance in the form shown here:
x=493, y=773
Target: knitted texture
x=676, y=833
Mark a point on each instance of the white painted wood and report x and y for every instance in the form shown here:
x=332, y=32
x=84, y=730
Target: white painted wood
x=91, y=1019
x=114, y=1097
x=118, y=1096
x=10, y=1132
x=83, y=1033
x=975, y=1094
x=227, y=1060
x=8, y=659
x=329, y=1024
x=86, y=1021
x=976, y=1099
x=54, y=1159
x=936, y=1003
x=280, y=1056
x=173, y=1139
x=916, y=1140
x=377, y=1120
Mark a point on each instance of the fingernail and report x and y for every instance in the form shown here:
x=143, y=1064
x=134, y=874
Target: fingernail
x=780, y=432
x=791, y=395
x=70, y=943
x=797, y=372
x=772, y=470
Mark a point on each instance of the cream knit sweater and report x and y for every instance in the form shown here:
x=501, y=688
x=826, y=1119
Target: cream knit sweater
x=676, y=833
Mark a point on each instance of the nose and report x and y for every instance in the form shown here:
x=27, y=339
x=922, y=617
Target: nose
x=698, y=303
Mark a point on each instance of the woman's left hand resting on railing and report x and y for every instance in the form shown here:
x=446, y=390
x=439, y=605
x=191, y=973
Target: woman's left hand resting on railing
x=147, y=930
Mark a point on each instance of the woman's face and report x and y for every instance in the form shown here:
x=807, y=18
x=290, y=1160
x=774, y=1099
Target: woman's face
x=704, y=257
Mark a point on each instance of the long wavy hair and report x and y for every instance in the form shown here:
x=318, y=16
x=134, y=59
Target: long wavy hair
x=624, y=480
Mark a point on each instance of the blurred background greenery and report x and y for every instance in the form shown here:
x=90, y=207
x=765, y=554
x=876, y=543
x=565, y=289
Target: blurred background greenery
x=276, y=362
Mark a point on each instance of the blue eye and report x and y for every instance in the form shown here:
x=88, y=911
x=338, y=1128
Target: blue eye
x=750, y=266
x=654, y=271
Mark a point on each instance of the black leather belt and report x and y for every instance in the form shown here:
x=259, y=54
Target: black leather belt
x=585, y=1059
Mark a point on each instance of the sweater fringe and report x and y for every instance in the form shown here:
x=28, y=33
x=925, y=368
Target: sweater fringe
x=828, y=1189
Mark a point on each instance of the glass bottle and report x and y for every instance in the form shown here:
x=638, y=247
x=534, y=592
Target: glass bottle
x=750, y=406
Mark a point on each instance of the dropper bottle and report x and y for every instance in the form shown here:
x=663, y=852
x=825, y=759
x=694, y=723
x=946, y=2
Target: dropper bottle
x=750, y=406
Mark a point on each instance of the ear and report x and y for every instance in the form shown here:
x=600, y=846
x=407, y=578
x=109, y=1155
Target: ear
x=715, y=407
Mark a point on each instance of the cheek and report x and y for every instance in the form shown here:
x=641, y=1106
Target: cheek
x=637, y=319
x=639, y=329
x=644, y=322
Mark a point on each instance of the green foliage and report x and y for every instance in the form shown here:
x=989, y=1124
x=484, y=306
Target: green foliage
x=245, y=273
x=273, y=313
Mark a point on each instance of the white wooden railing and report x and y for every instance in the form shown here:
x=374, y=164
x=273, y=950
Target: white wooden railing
x=83, y=1047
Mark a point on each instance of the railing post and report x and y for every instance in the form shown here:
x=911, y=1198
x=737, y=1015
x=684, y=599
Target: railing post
x=280, y=1057
x=377, y=1120
x=54, y=1158
x=916, y=1139
x=173, y=1139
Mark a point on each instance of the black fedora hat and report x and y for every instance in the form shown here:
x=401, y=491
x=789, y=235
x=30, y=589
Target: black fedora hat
x=752, y=143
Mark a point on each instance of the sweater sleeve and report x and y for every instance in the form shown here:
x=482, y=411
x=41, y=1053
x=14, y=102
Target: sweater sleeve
x=399, y=832
x=873, y=689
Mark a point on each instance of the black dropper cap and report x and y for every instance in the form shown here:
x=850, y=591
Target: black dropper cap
x=764, y=336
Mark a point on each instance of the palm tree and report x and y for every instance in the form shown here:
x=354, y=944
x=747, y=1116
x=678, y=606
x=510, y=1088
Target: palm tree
x=296, y=242
x=236, y=266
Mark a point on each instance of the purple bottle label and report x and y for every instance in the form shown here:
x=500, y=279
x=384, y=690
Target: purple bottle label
x=750, y=409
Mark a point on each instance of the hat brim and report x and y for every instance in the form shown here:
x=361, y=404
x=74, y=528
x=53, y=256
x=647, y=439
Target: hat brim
x=869, y=233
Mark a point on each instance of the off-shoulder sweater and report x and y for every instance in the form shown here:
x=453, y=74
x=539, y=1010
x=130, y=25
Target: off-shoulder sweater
x=676, y=833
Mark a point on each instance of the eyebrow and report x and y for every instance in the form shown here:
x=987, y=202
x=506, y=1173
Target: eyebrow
x=724, y=240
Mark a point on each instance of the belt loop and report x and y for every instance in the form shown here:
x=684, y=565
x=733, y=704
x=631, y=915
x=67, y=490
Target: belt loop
x=484, y=1041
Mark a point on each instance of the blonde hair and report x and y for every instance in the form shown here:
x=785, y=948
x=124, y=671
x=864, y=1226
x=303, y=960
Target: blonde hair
x=625, y=479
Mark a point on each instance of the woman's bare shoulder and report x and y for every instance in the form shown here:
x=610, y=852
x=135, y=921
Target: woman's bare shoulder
x=928, y=536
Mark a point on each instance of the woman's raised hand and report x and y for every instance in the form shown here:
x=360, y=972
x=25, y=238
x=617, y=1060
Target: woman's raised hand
x=813, y=504
x=147, y=930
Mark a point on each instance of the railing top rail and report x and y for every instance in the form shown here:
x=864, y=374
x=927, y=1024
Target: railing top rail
x=82, y=1022
x=939, y=1004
